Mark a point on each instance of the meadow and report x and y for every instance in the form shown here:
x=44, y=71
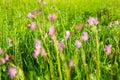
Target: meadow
x=59, y=39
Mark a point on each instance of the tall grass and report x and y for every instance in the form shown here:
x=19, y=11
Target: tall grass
x=90, y=60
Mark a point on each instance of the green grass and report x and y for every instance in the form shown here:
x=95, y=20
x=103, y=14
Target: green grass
x=55, y=66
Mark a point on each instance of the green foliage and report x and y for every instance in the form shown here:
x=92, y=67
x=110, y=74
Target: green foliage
x=91, y=62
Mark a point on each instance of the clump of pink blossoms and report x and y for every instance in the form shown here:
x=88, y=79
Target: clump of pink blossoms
x=51, y=31
x=78, y=43
x=12, y=72
x=85, y=36
x=61, y=46
x=67, y=35
x=32, y=25
x=52, y=17
x=92, y=21
x=107, y=49
x=71, y=63
x=37, y=48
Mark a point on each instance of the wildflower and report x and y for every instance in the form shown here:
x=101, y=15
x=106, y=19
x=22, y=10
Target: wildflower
x=67, y=35
x=107, y=49
x=37, y=50
x=85, y=36
x=52, y=31
x=9, y=41
x=36, y=53
x=12, y=71
x=43, y=52
x=71, y=63
x=38, y=44
x=1, y=51
x=33, y=13
x=92, y=21
x=30, y=15
x=32, y=25
x=78, y=43
x=2, y=60
x=79, y=26
x=52, y=17
x=61, y=46
x=7, y=57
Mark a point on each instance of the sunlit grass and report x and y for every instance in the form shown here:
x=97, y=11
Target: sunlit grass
x=89, y=62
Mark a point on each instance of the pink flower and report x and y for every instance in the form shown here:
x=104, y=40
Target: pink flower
x=7, y=57
x=78, y=43
x=80, y=26
x=85, y=36
x=30, y=15
x=71, y=63
x=107, y=49
x=12, y=71
x=61, y=46
x=52, y=17
x=9, y=41
x=92, y=21
x=2, y=60
x=1, y=51
x=38, y=44
x=52, y=31
x=36, y=53
x=32, y=25
x=43, y=52
x=67, y=35
x=37, y=50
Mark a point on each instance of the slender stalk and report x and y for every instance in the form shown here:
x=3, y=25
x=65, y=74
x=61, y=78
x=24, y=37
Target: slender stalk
x=49, y=56
x=66, y=68
x=57, y=56
x=77, y=65
x=98, y=55
x=83, y=56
